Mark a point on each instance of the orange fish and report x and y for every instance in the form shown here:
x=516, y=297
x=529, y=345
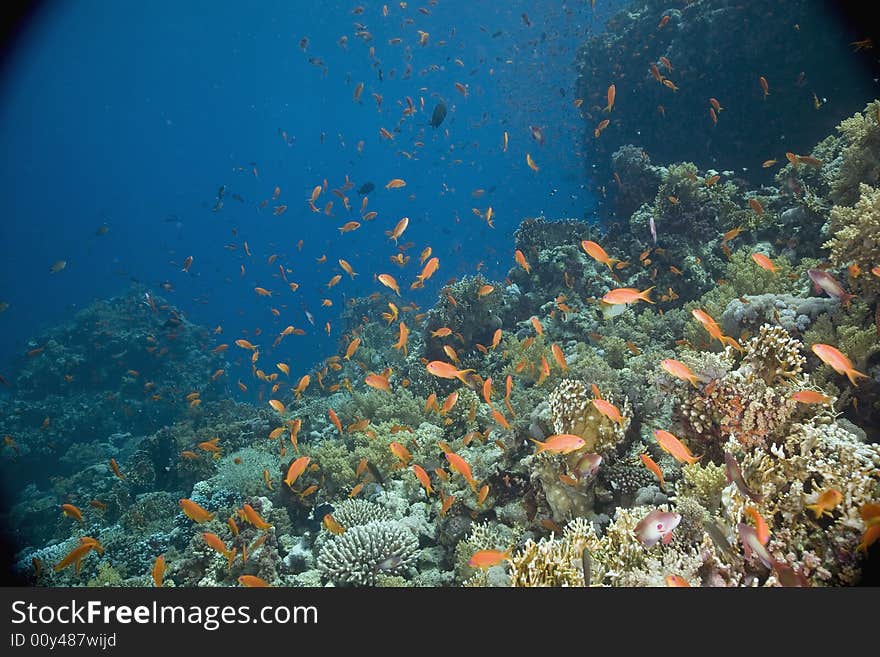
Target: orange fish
x=335, y=420
x=521, y=261
x=72, y=511
x=559, y=357
x=483, y=494
x=159, y=571
x=756, y=206
x=500, y=419
x=115, y=467
x=485, y=290
x=398, y=229
x=653, y=467
x=388, y=281
x=302, y=385
x=394, y=183
x=562, y=443
x=253, y=518
x=604, y=123
x=459, y=465
x=609, y=410
x=278, y=406
x=826, y=501
x=487, y=558
x=75, y=556
x=763, y=531
x=252, y=580
x=423, y=478
x=672, y=445
x=679, y=370
x=332, y=525
x=446, y=371
x=531, y=163
x=400, y=452
x=837, y=361
x=764, y=86
x=215, y=543
x=811, y=397
x=446, y=504
x=626, y=295
x=296, y=469
x=712, y=328
x=536, y=324
x=612, y=92
x=400, y=345
x=195, y=512
x=597, y=253
x=676, y=581
x=378, y=382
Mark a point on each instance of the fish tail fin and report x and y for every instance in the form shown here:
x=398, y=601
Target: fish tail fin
x=726, y=339
x=644, y=294
x=853, y=373
x=541, y=446
x=693, y=380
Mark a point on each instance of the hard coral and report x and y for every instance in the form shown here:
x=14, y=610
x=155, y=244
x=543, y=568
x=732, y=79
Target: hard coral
x=364, y=552
x=573, y=412
x=856, y=236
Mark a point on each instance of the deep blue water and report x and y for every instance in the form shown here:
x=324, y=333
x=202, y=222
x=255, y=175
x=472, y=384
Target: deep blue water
x=133, y=115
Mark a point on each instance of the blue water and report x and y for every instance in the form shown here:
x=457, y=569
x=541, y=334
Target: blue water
x=133, y=115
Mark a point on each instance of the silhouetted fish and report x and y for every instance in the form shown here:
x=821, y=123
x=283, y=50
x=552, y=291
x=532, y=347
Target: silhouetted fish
x=366, y=188
x=438, y=115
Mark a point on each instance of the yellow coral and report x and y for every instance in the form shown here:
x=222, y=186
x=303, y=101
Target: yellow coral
x=856, y=236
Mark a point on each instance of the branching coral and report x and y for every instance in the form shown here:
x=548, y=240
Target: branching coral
x=364, y=552
x=856, y=236
x=353, y=513
x=753, y=402
x=815, y=457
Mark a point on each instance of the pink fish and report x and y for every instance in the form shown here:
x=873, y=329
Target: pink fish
x=656, y=526
x=537, y=134
x=788, y=576
x=734, y=474
x=822, y=280
x=751, y=544
x=587, y=466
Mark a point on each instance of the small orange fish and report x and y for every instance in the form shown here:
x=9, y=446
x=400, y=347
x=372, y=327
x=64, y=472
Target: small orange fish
x=764, y=86
x=835, y=359
x=423, y=478
x=679, y=370
x=332, y=525
x=811, y=397
x=826, y=502
x=672, y=445
x=395, y=183
x=459, y=465
x=115, y=467
x=676, y=581
x=654, y=468
x=756, y=206
x=500, y=419
x=627, y=295
x=531, y=163
x=195, y=512
x=252, y=581
x=72, y=511
x=487, y=558
x=597, y=253
x=278, y=406
x=559, y=357
x=563, y=443
x=400, y=452
x=521, y=261
x=388, y=281
x=612, y=92
x=763, y=531
x=296, y=469
x=609, y=410
x=253, y=518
